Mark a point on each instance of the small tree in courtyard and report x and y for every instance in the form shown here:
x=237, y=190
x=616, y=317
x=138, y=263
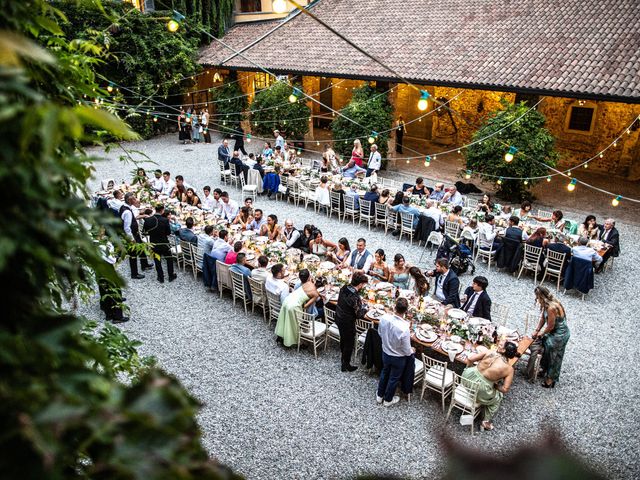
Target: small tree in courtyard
x=272, y=110
x=535, y=147
x=229, y=104
x=369, y=108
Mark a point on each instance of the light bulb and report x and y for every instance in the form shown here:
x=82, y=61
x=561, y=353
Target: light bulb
x=616, y=201
x=279, y=6
x=109, y=88
x=372, y=137
x=549, y=178
x=173, y=26
x=572, y=186
x=423, y=103
x=499, y=182
x=468, y=175
x=526, y=182
x=155, y=118
x=508, y=157
x=427, y=161
x=293, y=98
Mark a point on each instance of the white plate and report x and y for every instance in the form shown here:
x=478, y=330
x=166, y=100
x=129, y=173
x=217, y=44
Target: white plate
x=248, y=233
x=327, y=265
x=457, y=313
x=383, y=286
x=251, y=256
x=262, y=239
x=427, y=336
x=478, y=321
x=449, y=346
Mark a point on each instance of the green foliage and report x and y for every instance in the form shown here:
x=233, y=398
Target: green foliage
x=214, y=15
x=64, y=413
x=272, y=110
x=370, y=109
x=534, y=143
x=143, y=56
x=228, y=103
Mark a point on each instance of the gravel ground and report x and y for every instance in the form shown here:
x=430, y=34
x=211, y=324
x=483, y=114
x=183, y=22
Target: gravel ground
x=273, y=413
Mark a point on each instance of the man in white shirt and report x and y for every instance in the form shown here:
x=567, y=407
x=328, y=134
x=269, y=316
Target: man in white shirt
x=434, y=212
x=132, y=232
x=453, y=197
x=206, y=241
x=397, y=355
x=279, y=140
x=261, y=273
x=167, y=184
x=360, y=259
x=220, y=246
x=375, y=161
x=116, y=202
x=275, y=283
x=487, y=234
x=586, y=253
x=207, y=201
x=228, y=208
x=157, y=182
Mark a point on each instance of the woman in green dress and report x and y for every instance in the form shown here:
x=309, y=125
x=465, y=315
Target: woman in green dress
x=554, y=333
x=300, y=299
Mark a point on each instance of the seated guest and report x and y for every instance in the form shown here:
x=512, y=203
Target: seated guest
x=418, y=282
x=191, y=198
x=261, y=273
x=277, y=154
x=275, y=283
x=321, y=195
x=438, y=192
x=487, y=234
x=407, y=208
x=485, y=205
x=556, y=220
x=514, y=231
x=302, y=298
x=306, y=236
x=454, y=215
x=117, y=202
x=505, y=212
x=493, y=367
x=419, y=188
x=476, y=301
x=290, y=235
x=248, y=202
x=538, y=238
x=251, y=161
x=453, y=197
x=243, y=269
x=589, y=228
x=341, y=252
x=220, y=246
x=267, y=152
x=243, y=218
x=397, y=352
x=259, y=166
x=229, y=209
x=379, y=269
x=186, y=233
x=140, y=178
x=337, y=187
x=255, y=225
x=232, y=255
x=168, y=185
x=472, y=228
x=271, y=229
x=208, y=202
x=385, y=195
x=586, y=253
x=205, y=242
x=525, y=210
x=240, y=166
x=351, y=170
x=434, y=212
x=372, y=196
x=360, y=259
x=611, y=239
x=180, y=189
x=319, y=245
x=353, y=193
x=399, y=273
x=397, y=199
x=156, y=183
x=447, y=283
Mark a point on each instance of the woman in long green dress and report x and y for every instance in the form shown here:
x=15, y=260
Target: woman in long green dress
x=554, y=333
x=299, y=299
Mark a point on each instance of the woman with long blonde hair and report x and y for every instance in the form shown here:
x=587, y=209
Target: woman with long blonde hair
x=553, y=332
x=357, y=154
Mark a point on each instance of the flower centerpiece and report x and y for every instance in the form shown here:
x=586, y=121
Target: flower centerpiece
x=275, y=254
x=459, y=328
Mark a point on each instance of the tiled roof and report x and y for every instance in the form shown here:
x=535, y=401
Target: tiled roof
x=564, y=47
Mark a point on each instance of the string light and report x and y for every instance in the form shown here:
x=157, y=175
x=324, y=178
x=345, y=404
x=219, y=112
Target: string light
x=467, y=175
x=616, y=201
x=155, y=118
x=174, y=24
x=248, y=138
x=526, y=182
x=499, y=182
x=508, y=157
x=110, y=87
x=427, y=161
x=279, y=6
x=372, y=137
x=586, y=165
x=572, y=185
x=293, y=98
x=422, y=103
x=549, y=178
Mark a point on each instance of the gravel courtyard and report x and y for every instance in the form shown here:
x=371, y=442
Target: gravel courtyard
x=273, y=413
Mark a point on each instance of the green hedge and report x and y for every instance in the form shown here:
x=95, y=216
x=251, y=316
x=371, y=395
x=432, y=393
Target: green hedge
x=227, y=111
x=272, y=110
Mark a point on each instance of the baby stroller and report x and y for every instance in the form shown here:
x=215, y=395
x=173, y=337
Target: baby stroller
x=459, y=255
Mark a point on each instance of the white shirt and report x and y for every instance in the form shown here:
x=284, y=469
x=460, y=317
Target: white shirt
x=229, y=210
x=277, y=286
x=474, y=299
x=395, y=336
x=127, y=218
x=486, y=235
x=279, y=142
x=436, y=214
x=375, y=161
x=157, y=184
x=167, y=186
x=205, y=119
x=439, y=293
x=115, y=204
x=261, y=274
x=456, y=199
x=586, y=253
x=367, y=262
x=291, y=237
x=209, y=203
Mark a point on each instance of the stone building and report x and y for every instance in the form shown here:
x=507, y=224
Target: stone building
x=581, y=57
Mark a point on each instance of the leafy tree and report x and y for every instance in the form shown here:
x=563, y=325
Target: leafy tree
x=534, y=144
x=64, y=412
x=140, y=54
x=271, y=110
x=214, y=15
x=229, y=104
x=370, y=109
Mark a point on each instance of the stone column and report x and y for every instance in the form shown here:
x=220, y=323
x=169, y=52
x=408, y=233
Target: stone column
x=392, y=163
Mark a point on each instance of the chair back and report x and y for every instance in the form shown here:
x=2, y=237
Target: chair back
x=258, y=291
x=237, y=280
x=555, y=261
x=242, y=182
x=452, y=229
x=365, y=208
x=187, y=252
x=349, y=203
x=329, y=316
x=466, y=391
x=381, y=211
x=363, y=325
x=439, y=368
x=532, y=255
x=544, y=214
x=197, y=255
x=273, y=299
x=406, y=221
x=232, y=168
x=224, y=275
x=306, y=322
x=335, y=200
x=500, y=313
x=470, y=202
x=392, y=218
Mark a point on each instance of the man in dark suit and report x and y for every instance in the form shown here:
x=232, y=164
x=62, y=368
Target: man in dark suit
x=224, y=153
x=514, y=232
x=238, y=137
x=611, y=238
x=241, y=167
x=447, y=283
x=476, y=300
x=158, y=229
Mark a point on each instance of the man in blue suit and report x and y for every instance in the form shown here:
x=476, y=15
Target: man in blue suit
x=447, y=283
x=476, y=300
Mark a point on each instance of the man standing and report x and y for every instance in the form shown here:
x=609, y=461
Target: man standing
x=401, y=129
x=396, y=354
x=205, y=126
x=224, y=154
x=158, y=228
x=279, y=139
x=111, y=300
x=132, y=232
x=360, y=259
x=611, y=239
x=476, y=301
x=375, y=161
x=447, y=283
x=238, y=146
x=349, y=308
